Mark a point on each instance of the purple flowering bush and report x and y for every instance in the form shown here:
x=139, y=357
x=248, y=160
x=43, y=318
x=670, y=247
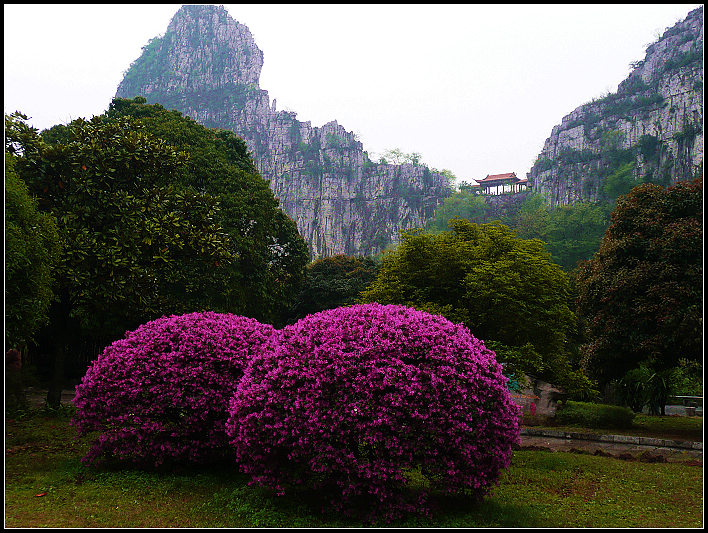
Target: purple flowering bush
x=360, y=400
x=161, y=394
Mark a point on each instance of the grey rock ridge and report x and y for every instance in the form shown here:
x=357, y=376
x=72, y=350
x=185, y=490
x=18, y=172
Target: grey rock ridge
x=652, y=127
x=208, y=66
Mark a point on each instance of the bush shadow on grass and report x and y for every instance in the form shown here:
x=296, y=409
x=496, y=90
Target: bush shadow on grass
x=303, y=507
x=468, y=511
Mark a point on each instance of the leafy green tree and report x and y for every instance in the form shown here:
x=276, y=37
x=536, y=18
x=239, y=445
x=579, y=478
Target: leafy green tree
x=394, y=155
x=641, y=294
x=575, y=232
x=646, y=386
x=571, y=232
x=620, y=182
x=687, y=378
x=462, y=204
x=267, y=274
x=397, y=156
x=32, y=248
x=504, y=288
x=532, y=220
x=136, y=246
x=448, y=174
x=334, y=282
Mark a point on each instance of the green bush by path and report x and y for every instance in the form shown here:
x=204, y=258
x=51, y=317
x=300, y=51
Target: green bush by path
x=593, y=415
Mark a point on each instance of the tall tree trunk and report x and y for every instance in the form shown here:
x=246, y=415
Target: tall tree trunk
x=62, y=330
x=56, y=384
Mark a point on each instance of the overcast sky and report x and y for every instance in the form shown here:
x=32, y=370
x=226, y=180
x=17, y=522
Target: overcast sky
x=475, y=89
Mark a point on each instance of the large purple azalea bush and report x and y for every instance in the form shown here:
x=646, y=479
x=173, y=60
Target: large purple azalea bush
x=161, y=394
x=360, y=400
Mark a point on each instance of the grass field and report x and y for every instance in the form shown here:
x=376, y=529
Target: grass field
x=47, y=486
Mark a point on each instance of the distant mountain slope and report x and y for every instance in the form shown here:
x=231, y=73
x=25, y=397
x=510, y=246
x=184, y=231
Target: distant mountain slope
x=651, y=129
x=208, y=66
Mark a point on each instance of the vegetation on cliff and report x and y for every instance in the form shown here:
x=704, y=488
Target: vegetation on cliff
x=571, y=233
x=649, y=131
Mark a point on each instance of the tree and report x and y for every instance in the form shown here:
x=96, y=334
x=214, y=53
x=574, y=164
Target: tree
x=394, y=155
x=136, y=247
x=532, y=219
x=397, y=157
x=271, y=255
x=504, y=288
x=575, y=232
x=463, y=204
x=32, y=248
x=620, y=182
x=334, y=282
x=571, y=232
x=641, y=294
x=448, y=174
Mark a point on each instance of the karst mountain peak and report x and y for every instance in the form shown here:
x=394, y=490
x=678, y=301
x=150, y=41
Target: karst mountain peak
x=207, y=66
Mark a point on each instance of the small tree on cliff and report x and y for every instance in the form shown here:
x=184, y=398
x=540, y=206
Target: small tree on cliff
x=463, y=204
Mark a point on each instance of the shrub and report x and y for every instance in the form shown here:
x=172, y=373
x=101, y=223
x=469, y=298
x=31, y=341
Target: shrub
x=161, y=394
x=594, y=415
x=359, y=400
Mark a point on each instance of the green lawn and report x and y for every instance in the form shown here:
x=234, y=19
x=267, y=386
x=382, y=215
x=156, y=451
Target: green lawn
x=47, y=486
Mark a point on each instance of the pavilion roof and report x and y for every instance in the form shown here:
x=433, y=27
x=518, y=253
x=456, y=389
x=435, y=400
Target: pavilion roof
x=499, y=177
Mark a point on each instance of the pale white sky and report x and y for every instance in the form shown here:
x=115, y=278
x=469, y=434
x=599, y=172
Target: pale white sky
x=475, y=89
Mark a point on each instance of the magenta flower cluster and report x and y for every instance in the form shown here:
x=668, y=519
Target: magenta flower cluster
x=359, y=400
x=161, y=394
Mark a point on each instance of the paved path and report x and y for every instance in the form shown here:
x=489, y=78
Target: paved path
x=621, y=446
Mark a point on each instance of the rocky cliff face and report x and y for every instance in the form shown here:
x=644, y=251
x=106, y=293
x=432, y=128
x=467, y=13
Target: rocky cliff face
x=651, y=129
x=208, y=66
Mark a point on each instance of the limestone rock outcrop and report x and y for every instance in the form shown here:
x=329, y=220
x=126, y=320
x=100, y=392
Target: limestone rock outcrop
x=652, y=127
x=208, y=67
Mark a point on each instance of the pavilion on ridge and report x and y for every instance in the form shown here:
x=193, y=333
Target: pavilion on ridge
x=501, y=184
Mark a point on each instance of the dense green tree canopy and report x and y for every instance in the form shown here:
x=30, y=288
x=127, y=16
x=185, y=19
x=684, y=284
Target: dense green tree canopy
x=463, y=204
x=334, y=282
x=136, y=246
x=270, y=253
x=32, y=248
x=505, y=289
x=160, y=215
x=572, y=233
x=641, y=294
